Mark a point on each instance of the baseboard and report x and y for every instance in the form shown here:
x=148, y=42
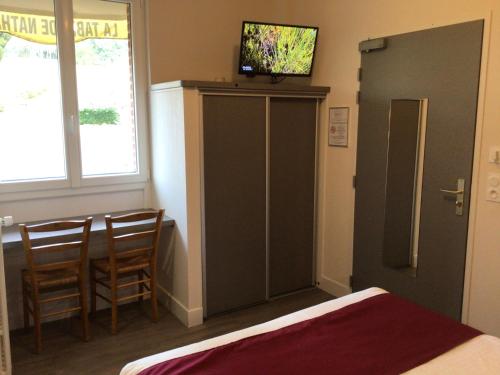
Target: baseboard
x=333, y=287
x=188, y=317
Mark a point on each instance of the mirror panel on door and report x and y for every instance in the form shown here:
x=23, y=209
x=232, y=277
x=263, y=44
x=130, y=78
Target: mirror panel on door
x=406, y=140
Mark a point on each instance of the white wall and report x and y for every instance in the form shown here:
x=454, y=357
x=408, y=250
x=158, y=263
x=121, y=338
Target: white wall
x=47, y=205
x=197, y=40
x=343, y=24
x=176, y=187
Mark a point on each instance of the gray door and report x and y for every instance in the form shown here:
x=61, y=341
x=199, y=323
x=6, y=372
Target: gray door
x=292, y=159
x=234, y=138
x=409, y=236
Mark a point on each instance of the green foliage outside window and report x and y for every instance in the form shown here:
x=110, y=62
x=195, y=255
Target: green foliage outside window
x=99, y=116
x=4, y=39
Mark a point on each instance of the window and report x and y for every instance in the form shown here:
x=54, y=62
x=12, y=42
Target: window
x=31, y=126
x=72, y=100
x=105, y=88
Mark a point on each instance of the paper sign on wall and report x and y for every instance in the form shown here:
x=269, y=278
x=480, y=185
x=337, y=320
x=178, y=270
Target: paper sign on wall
x=338, y=126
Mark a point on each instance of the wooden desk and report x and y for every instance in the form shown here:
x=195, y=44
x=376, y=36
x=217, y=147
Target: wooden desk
x=12, y=238
x=15, y=259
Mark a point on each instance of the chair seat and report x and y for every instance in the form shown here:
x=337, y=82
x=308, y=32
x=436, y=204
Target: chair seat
x=49, y=279
x=123, y=265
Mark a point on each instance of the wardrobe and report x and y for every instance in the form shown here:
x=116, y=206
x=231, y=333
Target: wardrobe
x=257, y=174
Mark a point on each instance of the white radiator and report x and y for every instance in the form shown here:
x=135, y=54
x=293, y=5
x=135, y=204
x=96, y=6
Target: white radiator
x=5, y=360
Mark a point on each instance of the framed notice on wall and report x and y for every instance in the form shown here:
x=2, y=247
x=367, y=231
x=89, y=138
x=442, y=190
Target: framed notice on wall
x=338, y=126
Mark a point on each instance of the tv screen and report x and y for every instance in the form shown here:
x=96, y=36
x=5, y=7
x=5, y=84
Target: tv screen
x=281, y=50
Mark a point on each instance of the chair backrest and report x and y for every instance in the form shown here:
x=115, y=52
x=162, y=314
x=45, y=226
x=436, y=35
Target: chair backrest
x=128, y=235
x=66, y=229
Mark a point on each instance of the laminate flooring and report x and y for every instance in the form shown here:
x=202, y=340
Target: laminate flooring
x=105, y=354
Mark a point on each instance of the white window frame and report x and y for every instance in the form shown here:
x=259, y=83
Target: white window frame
x=74, y=180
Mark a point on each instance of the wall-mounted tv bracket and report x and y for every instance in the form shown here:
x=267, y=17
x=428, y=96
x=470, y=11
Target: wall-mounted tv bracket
x=276, y=78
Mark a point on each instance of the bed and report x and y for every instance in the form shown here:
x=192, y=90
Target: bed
x=365, y=338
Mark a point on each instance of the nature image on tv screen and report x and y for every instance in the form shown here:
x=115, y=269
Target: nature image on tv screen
x=277, y=49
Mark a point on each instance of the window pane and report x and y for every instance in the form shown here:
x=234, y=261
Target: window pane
x=31, y=126
x=105, y=87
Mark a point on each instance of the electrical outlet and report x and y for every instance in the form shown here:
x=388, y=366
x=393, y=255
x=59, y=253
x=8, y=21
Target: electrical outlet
x=493, y=192
x=6, y=221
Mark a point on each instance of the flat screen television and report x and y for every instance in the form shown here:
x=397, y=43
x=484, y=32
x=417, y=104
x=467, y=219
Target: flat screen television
x=277, y=50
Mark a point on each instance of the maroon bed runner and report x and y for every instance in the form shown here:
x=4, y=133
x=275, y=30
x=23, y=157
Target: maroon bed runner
x=383, y=334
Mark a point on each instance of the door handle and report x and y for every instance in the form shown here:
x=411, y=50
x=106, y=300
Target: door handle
x=459, y=201
x=455, y=192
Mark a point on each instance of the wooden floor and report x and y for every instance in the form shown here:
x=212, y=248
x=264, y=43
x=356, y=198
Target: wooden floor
x=105, y=354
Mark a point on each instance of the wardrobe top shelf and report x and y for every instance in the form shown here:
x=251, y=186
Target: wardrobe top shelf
x=320, y=91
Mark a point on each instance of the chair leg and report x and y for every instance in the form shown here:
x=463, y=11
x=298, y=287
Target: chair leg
x=140, y=276
x=37, y=323
x=93, y=290
x=154, y=300
x=25, y=305
x=84, y=311
x=114, y=306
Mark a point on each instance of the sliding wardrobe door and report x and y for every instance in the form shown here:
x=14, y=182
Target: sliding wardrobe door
x=234, y=142
x=292, y=151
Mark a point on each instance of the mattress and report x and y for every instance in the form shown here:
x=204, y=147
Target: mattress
x=480, y=355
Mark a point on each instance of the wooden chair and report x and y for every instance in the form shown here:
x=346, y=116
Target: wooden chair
x=48, y=277
x=131, y=261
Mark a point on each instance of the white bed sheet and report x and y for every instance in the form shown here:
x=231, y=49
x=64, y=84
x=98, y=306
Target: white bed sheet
x=479, y=356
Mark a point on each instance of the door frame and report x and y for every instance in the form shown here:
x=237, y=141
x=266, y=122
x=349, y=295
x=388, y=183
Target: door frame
x=476, y=164
x=476, y=160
